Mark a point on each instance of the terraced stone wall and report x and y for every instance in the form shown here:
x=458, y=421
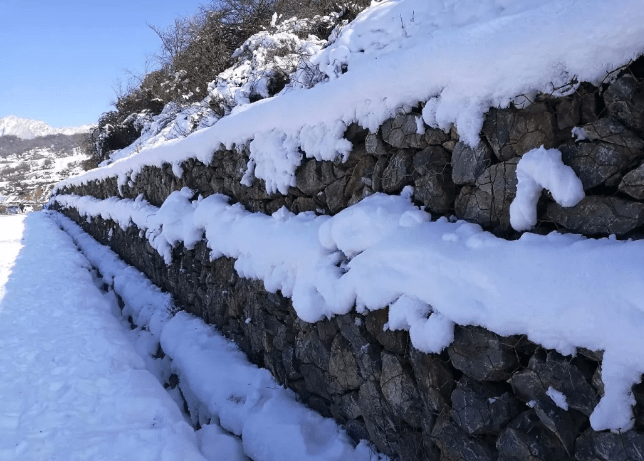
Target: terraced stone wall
x=486, y=397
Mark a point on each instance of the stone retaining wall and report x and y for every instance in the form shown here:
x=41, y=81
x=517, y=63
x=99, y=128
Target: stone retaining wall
x=449, y=178
x=485, y=397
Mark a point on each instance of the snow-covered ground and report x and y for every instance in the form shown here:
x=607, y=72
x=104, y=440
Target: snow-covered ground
x=72, y=387
x=78, y=383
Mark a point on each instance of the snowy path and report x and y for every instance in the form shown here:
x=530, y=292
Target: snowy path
x=72, y=386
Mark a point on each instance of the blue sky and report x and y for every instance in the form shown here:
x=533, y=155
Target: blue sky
x=59, y=60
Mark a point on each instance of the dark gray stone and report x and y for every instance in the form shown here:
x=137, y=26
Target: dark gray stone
x=608, y=446
x=611, y=131
x=288, y=359
x=398, y=172
x=468, y=163
x=356, y=429
x=378, y=170
x=313, y=176
x=401, y=132
x=433, y=159
x=316, y=380
x=375, y=146
x=597, y=215
x=343, y=366
x=624, y=100
x=633, y=183
x=399, y=390
x=551, y=369
x=482, y=355
x=594, y=163
x=360, y=176
x=527, y=439
x=365, y=350
x=488, y=203
x=350, y=405
x=563, y=424
x=456, y=445
x=395, y=341
x=568, y=113
x=334, y=193
x=434, y=187
x=378, y=418
x=482, y=408
x=513, y=132
x=434, y=378
x=309, y=349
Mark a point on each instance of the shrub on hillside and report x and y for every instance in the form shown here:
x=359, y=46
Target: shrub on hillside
x=232, y=51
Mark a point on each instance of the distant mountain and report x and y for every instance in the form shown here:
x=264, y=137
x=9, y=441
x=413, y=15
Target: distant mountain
x=25, y=128
x=33, y=157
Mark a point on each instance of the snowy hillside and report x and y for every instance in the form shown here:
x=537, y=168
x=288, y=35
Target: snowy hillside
x=26, y=179
x=28, y=129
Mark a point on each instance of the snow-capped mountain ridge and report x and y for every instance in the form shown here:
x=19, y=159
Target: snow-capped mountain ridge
x=25, y=128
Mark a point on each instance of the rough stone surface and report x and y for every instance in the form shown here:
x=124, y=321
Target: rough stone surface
x=563, y=424
x=607, y=446
x=468, y=164
x=343, y=366
x=597, y=215
x=401, y=132
x=398, y=173
x=633, y=183
x=313, y=176
x=513, y=132
x=488, y=202
x=435, y=380
x=568, y=112
x=400, y=391
x=482, y=408
x=552, y=370
x=374, y=145
x=527, y=439
x=434, y=187
x=611, y=131
x=624, y=100
x=595, y=163
x=456, y=445
x=483, y=355
x=360, y=176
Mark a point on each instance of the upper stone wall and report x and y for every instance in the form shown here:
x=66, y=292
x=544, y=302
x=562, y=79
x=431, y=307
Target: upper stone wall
x=450, y=178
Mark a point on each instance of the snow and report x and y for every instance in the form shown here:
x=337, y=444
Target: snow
x=226, y=394
x=401, y=53
x=27, y=178
x=28, y=129
x=73, y=387
x=541, y=169
x=558, y=398
x=384, y=251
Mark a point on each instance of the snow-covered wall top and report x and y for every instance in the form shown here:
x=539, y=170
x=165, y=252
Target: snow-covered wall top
x=457, y=59
x=25, y=128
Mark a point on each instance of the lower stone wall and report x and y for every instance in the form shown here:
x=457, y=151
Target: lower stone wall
x=484, y=398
